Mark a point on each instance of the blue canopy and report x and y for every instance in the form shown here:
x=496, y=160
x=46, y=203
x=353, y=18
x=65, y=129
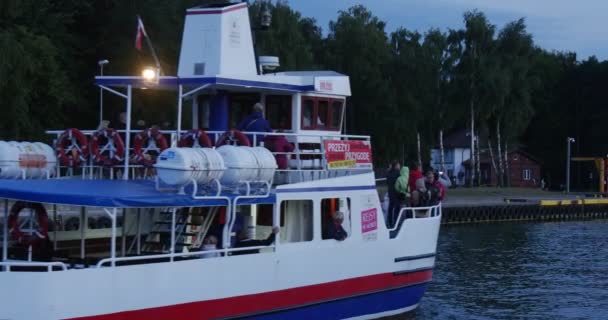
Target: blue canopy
x=108, y=193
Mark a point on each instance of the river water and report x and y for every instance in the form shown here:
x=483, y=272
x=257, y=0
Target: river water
x=519, y=271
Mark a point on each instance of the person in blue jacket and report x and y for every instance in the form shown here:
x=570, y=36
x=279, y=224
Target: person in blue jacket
x=255, y=122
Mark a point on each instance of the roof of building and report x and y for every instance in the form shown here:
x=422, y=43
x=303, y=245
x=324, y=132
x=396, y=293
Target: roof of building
x=484, y=157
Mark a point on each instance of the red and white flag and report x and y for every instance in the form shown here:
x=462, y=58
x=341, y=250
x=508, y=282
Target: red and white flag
x=141, y=33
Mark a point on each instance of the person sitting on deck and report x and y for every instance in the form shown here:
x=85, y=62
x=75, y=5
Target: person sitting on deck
x=210, y=244
x=334, y=230
x=245, y=240
x=255, y=122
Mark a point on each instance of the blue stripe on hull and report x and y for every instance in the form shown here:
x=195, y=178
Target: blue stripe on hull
x=354, y=306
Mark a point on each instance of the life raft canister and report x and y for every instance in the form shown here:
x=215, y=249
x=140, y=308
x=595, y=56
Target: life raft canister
x=149, y=139
x=72, y=148
x=42, y=219
x=195, y=138
x=233, y=135
x=114, y=145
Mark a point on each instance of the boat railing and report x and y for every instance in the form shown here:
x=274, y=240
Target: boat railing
x=5, y=266
x=414, y=213
x=183, y=255
x=305, y=164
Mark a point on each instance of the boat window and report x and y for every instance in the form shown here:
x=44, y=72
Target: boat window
x=278, y=111
x=308, y=106
x=326, y=112
x=296, y=221
x=328, y=208
x=322, y=111
x=241, y=105
x=336, y=114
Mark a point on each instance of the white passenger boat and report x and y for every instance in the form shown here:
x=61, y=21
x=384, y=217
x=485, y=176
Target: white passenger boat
x=118, y=233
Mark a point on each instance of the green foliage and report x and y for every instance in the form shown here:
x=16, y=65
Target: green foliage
x=402, y=83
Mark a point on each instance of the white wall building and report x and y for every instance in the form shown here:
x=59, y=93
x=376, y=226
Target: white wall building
x=456, y=150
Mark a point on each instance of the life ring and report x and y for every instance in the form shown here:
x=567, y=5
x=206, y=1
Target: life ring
x=42, y=219
x=149, y=139
x=232, y=135
x=195, y=138
x=72, y=148
x=114, y=145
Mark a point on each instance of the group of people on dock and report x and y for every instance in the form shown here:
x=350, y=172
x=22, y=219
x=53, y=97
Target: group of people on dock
x=412, y=188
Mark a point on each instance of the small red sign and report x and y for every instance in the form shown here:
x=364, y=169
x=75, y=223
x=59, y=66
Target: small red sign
x=348, y=154
x=326, y=85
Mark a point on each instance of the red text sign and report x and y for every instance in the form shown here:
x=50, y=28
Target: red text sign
x=348, y=154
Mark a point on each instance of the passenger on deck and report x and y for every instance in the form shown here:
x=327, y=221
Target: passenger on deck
x=415, y=174
x=244, y=241
x=429, y=191
x=210, y=244
x=394, y=204
x=402, y=186
x=255, y=122
x=279, y=144
x=334, y=230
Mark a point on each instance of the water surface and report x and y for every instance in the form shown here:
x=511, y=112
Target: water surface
x=519, y=271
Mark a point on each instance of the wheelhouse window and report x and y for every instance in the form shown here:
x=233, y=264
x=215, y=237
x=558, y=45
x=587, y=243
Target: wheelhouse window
x=322, y=110
x=337, y=107
x=308, y=108
x=241, y=105
x=278, y=111
x=321, y=113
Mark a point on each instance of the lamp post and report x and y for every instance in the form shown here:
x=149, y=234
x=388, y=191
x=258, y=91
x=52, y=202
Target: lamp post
x=569, y=141
x=101, y=63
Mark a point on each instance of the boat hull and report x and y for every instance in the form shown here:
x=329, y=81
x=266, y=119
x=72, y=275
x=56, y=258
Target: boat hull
x=360, y=298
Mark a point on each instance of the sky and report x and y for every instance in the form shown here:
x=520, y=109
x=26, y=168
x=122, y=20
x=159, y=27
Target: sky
x=564, y=25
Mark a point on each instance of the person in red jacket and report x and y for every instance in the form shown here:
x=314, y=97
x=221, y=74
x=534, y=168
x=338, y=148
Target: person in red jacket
x=415, y=174
x=279, y=144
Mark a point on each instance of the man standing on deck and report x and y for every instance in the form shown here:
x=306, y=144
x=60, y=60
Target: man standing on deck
x=394, y=204
x=255, y=122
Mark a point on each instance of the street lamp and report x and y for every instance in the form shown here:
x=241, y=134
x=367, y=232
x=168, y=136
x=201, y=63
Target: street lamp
x=569, y=141
x=101, y=63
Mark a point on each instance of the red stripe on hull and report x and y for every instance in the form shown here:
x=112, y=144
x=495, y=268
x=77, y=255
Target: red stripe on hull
x=267, y=301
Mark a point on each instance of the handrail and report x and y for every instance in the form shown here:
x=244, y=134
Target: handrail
x=434, y=209
x=48, y=265
x=179, y=254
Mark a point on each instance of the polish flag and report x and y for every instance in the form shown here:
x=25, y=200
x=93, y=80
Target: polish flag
x=141, y=33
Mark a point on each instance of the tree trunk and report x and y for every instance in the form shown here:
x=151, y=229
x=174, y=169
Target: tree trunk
x=507, y=175
x=441, y=154
x=419, y=151
x=477, y=161
x=493, y=161
x=472, y=155
x=501, y=168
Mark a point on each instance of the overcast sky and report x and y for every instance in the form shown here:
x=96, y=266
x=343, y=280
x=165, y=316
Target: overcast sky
x=565, y=25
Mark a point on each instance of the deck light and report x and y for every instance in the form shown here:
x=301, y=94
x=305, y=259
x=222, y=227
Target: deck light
x=150, y=75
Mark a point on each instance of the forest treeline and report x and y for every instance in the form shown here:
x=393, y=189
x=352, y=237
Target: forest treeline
x=407, y=84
